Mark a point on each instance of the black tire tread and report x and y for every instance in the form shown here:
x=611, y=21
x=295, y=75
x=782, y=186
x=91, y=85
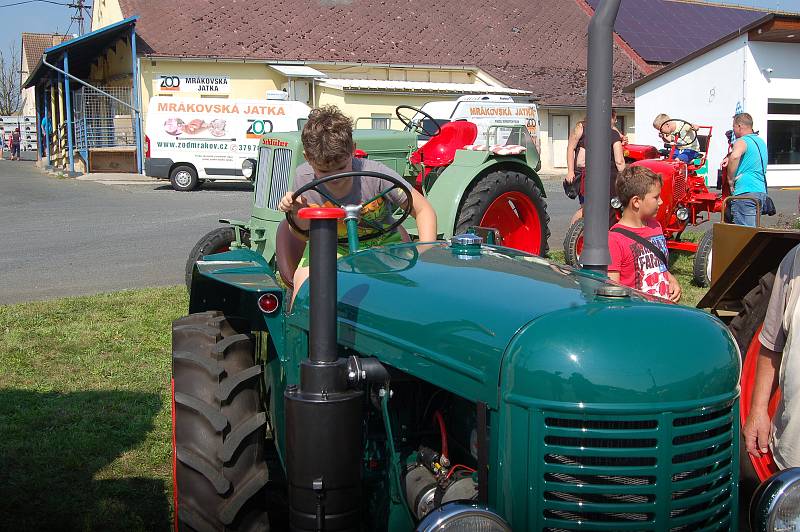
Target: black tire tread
x=205, y=468
x=249, y=488
x=232, y=383
x=574, y=233
x=210, y=242
x=481, y=195
x=701, y=259
x=213, y=369
x=236, y=436
x=221, y=467
x=214, y=418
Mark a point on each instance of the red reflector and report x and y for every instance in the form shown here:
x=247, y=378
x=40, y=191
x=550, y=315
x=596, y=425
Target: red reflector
x=268, y=303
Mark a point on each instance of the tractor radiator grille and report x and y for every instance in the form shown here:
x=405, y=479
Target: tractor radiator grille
x=281, y=173
x=679, y=185
x=671, y=471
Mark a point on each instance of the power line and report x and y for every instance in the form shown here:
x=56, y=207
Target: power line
x=33, y=1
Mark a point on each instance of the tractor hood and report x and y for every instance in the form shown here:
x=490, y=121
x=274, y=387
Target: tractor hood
x=497, y=317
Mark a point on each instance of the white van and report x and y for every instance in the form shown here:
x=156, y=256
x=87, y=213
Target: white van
x=189, y=140
x=482, y=110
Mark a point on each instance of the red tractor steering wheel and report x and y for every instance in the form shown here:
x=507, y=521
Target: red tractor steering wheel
x=417, y=125
x=378, y=230
x=685, y=137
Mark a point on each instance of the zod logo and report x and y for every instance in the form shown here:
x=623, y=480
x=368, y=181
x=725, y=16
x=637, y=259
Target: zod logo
x=170, y=83
x=256, y=128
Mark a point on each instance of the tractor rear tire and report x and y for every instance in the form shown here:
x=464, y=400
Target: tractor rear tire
x=219, y=467
x=216, y=241
x=701, y=272
x=513, y=199
x=573, y=243
x=744, y=328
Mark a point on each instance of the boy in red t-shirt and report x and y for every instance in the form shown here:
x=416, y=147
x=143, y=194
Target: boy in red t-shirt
x=638, y=248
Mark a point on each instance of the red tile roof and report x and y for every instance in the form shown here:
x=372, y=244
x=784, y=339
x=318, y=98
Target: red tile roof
x=538, y=46
x=35, y=44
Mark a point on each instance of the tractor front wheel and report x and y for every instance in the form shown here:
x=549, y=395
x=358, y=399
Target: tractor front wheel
x=216, y=241
x=218, y=427
x=701, y=272
x=745, y=328
x=573, y=243
x=511, y=203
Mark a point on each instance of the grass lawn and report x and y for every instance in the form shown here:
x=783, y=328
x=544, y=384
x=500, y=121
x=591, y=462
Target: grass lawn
x=84, y=409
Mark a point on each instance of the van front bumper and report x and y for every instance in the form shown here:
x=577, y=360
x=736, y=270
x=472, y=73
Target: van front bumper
x=157, y=167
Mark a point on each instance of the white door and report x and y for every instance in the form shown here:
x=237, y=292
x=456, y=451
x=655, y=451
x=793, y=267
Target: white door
x=559, y=133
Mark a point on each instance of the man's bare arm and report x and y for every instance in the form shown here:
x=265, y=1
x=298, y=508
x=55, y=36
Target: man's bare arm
x=735, y=157
x=758, y=427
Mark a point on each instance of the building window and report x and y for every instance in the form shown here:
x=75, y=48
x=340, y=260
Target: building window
x=783, y=132
x=380, y=121
x=620, y=124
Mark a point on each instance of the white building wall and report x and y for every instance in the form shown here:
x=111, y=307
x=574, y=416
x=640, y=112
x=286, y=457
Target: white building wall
x=704, y=91
x=783, y=83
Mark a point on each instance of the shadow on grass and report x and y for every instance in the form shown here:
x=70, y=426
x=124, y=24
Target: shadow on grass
x=56, y=455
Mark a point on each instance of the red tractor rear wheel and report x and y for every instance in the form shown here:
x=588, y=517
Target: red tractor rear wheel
x=511, y=203
x=745, y=328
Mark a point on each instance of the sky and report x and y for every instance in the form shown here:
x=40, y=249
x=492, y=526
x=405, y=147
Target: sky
x=42, y=17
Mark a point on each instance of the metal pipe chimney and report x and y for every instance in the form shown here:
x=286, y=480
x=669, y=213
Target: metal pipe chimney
x=595, y=255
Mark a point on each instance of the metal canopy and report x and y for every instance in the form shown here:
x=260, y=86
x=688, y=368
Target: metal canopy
x=426, y=87
x=83, y=50
x=298, y=71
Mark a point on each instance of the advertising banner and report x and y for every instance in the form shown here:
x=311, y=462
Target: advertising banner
x=171, y=83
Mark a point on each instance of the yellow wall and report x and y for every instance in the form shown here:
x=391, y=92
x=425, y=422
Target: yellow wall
x=113, y=68
x=247, y=80
x=397, y=74
x=105, y=12
x=360, y=106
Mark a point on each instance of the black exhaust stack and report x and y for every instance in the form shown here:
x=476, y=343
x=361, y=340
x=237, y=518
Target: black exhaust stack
x=323, y=415
x=595, y=255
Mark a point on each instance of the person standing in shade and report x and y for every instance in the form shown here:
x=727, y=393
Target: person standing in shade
x=747, y=170
x=15, y=142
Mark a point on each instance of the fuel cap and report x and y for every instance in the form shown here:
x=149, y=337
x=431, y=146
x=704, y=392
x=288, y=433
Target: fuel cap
x=466, y=245
x=466, y=239
x=610, y=290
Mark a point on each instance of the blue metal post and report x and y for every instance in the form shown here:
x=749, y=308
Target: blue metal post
x=137, y=118
x=68, y=98
x=46, y=134
x=38, y=124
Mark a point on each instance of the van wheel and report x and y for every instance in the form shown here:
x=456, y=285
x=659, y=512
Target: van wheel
x=184, y=178
x=216, y=241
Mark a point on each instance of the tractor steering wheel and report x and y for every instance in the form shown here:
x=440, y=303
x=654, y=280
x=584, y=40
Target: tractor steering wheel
x=686, y=136
x=417, y=125
x=377, y=229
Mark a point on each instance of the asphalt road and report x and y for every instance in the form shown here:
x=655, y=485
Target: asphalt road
x=65, y=237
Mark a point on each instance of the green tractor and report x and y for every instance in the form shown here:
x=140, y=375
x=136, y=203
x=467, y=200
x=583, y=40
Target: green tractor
x=490, y=184
x=449, y=385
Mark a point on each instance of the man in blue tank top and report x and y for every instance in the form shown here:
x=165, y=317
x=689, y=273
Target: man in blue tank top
x=747, y=168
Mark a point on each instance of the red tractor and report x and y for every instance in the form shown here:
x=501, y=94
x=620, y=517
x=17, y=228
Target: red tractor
x=687, y=200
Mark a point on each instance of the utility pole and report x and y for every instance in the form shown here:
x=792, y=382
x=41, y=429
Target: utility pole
x=80, y=7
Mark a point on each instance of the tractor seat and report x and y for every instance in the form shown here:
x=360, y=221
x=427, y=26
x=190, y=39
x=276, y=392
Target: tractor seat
x=289, y=249
x=441, y=149
x=702, y=141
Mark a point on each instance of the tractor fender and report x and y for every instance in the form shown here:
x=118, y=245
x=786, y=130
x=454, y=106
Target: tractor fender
x=449, y=189
x=741, y=256
x=232, y=282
